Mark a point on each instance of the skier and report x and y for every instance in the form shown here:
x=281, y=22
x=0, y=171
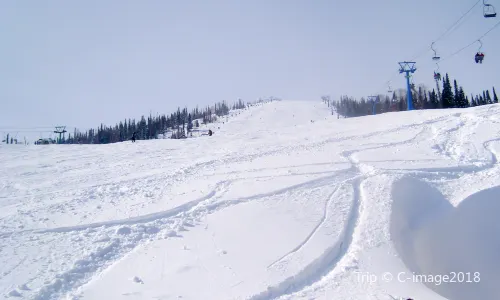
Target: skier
x=133, y=136
x=210, y=132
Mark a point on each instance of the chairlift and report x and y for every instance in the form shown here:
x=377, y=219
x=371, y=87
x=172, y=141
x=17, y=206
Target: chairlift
x=437, y=75
x=479, y=55
x=389, y=89
x=435, y=57
x=489, y=10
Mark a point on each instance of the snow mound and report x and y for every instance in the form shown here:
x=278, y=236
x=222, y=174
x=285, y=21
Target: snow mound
x=434, y=238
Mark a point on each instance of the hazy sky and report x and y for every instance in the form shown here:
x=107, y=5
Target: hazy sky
x=80, y=63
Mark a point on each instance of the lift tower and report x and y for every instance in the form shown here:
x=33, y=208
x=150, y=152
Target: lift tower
x=61, y=130
x=374, y=100
x=408, y=67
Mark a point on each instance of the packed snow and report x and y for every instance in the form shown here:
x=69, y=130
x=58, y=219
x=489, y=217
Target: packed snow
x=284, y=201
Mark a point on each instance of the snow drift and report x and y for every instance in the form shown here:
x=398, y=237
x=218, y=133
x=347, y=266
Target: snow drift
x=434, y=238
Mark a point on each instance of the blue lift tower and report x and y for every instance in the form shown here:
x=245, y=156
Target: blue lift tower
x=408, y=67
x=374, y=100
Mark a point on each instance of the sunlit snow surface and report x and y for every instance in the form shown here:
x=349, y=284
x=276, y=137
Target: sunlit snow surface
x=285, y=201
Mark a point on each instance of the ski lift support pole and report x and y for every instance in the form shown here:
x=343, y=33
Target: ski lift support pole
x=408, y=67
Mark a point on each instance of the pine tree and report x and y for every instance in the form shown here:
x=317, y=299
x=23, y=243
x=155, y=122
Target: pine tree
x=495, y=98
x=178, y=119
x=488, y=97
x=431, y=100
x=447, y=97
x=190, y=123
x=426, y=101
x=122, y=136
x=456, y=99
x=464, y=102
x=420, y=98
x=435, y=100
x=387, y=104
x=472, y=101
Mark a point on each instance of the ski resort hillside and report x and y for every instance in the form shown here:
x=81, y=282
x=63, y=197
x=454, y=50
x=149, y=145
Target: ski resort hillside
x=284, y=201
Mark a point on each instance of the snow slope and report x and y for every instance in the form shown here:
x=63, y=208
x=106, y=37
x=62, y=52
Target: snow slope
x=273, y=206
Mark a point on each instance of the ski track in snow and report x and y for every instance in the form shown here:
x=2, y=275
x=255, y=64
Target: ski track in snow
x=313, y=232
x=103, y=257
x=446, y=172
x=307, y=277
x=127, y=233
x=333, y=255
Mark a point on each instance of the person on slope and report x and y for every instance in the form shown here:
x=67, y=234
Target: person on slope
x=133, y=136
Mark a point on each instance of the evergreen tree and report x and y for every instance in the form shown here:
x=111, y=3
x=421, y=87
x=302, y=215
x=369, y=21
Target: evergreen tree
x=190, y=123
x=431, y=99
x=456, y=99
x=125, y=130
x=420, y=98
x=387, y=104
x=464, y=102
x=122, y=136
x=178, y=118
x=143, y=129
x=488, y=97
x=472, y=101
x=402, y=104
x=434, y=99
x=447, y=97
x=495, y=98
x=426, y=102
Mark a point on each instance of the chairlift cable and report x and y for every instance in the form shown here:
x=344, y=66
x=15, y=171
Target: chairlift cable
x=475, y=41
x=449, y=30
x=451, y=27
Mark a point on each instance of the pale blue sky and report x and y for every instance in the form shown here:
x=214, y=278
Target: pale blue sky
x=79, y=63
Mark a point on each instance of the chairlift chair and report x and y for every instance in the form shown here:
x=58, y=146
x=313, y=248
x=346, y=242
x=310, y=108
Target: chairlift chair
x=435, y=57
x=479, y=55
x=437, y=74
x=489, y=10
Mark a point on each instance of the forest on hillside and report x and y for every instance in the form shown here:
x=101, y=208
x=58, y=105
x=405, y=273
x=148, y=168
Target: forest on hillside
x=178, y=124
x=447, y=97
